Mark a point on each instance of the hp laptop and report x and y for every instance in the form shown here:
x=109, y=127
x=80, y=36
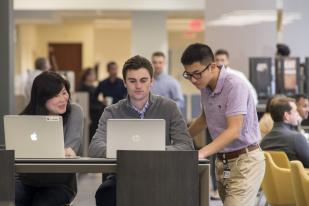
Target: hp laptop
x=33, y=136
x=134, y=134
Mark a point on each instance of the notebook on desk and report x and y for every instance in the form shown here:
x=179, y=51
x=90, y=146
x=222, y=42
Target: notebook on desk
x=34, y=136
x=134, y=134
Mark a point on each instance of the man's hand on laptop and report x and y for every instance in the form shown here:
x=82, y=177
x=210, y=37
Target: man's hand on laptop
x=69, y=152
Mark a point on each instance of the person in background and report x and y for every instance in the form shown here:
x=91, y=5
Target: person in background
x=302, y=104
x=95, y=107
x=140, y=104
x=164, y=84
x=222, y=58
x=283, y=136
x=266, y=123
x=282, y=50
x=112, y=88
x=41, y=64
x=229, y=113
x=50, y=95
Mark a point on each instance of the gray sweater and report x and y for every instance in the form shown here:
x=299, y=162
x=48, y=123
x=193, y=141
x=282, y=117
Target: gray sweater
x=284, y=137
x=73, y=132
x=177, y=136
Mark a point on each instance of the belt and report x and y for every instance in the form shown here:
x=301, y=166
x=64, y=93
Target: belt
x=237, y=153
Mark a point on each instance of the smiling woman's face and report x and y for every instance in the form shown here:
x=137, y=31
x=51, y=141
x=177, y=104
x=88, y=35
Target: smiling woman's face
x=58, y=104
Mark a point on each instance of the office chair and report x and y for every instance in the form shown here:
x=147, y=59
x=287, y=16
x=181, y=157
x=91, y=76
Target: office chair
x=280, y=159
x=300, y=183
x=277, y=184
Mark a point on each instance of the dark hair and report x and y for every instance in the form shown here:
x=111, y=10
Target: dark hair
x=158, y=54
x=40, y=63
x=197, y=53
x=85, y=74
x=135, y=63
x=46, y=86
x=222, y=52
x=283, y=50
x=279, y=106
x=297, y=97
x=110, y=65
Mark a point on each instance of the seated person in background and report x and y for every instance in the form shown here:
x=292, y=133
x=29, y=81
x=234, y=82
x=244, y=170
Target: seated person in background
x=41, y=65
x=95, y=107
x=50, y=95
x=111, y=87
x=302, y=104
x=164, y=84
x=140, y=104
x=266, y=122
x=283, y=136
x=222, y=58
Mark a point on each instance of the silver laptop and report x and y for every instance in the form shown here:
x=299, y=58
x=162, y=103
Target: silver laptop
x=134, y=134
x=33, y=136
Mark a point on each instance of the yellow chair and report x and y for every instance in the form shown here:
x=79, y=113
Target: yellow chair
x=280, y=158
x=300, y=182
x=277, y=184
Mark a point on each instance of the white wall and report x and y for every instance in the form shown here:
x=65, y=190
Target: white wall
x=296, y=34
x=149, y=33
x=242, y=42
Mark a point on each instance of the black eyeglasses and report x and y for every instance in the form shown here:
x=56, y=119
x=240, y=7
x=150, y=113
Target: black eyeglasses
x=197, y=75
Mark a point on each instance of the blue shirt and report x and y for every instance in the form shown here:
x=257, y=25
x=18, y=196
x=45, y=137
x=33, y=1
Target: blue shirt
x=165, y=85
x=115, y=89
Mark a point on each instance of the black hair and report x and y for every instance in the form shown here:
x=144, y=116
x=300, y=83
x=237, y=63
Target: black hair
x=283, y=50
x=197, y=53
x=135, y=63
x=46, y=86
x=297, y=97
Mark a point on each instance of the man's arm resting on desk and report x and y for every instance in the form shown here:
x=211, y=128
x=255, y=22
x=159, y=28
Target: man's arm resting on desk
x=232, y=132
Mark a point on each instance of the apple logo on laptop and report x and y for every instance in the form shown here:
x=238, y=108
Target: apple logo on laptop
x=136, y=138
x=34, y=136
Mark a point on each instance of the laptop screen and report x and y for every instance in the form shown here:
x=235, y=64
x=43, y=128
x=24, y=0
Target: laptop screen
x=34, y=136
x=134, y=134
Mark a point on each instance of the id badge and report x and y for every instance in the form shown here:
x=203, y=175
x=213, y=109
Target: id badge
x=226, y=174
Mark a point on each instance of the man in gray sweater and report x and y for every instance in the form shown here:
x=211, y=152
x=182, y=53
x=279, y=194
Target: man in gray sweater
x=284, y=136
x=140, y=104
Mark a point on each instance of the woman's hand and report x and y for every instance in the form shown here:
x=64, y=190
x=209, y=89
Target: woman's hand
x=69, y=152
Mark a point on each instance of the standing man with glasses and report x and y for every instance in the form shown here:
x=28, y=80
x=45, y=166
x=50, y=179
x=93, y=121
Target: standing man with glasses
x=229, y=113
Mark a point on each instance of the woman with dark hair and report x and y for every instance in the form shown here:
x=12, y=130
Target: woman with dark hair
x=95, y=107
x=50, y=95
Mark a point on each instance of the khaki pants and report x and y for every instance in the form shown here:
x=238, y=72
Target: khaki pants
x=246, y=175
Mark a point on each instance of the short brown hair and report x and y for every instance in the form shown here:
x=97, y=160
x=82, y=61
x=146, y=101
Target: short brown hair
x=279, y=106
x=135, y=63
x=158, y=54
x=222, y=52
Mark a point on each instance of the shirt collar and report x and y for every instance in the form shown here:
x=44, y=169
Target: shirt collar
x=220, y=82
x=148, y=103
x=157, y=77
x=284, y=125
